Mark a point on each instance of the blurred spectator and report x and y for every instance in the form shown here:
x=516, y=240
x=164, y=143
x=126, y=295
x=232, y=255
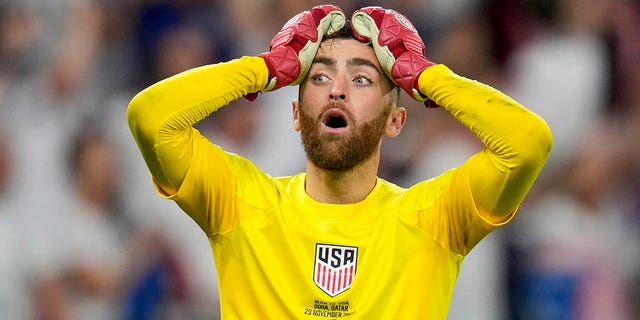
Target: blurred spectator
x=20, y=34
x=174, y=40
x=561, y=74
x=157, y=282
x=43, y=106
x=51, y=47
x=253, y=28
x=171, y=36
x=574, y=250
x=578, y=252
x=87, y=281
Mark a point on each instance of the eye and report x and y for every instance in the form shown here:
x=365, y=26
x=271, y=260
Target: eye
x=362, y=80
x=319, y=78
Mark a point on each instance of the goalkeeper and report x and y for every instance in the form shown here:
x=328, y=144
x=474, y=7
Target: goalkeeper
x=337, y=241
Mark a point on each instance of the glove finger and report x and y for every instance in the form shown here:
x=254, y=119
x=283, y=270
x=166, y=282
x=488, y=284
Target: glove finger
x=305, y=26
x=337, y=20
x=366, y=28
x=330, y=22
x=328, y=19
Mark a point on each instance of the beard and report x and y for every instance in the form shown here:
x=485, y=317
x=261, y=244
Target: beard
x=341, y=152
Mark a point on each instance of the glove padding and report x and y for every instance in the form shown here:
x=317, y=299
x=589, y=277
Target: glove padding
x=293, y=48
x=397, y=44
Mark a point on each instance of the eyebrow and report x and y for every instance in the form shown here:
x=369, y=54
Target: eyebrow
x=330, y=62
x=324, y=60
x=364, y=62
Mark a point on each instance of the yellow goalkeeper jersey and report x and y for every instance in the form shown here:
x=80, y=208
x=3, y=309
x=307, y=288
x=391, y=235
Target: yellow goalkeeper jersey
x=282, y=255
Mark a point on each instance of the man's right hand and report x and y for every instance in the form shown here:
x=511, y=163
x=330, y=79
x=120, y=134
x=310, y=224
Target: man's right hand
x=293, y=48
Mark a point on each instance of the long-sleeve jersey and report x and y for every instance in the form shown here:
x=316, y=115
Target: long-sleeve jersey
x=282, y=255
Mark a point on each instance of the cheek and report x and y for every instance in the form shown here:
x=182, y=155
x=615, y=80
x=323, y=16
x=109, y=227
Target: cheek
x=306, y=116
x=310, y=93
x=311, y=99
x=372, y=109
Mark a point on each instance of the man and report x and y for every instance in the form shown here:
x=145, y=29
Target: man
x=337, y=241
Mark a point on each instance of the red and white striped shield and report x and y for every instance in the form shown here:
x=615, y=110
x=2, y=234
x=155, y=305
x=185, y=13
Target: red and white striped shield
x=335, y=267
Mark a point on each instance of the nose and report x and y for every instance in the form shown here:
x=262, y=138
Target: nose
x=338, y=90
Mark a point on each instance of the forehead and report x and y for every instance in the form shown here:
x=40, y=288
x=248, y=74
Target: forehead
x=344, y=49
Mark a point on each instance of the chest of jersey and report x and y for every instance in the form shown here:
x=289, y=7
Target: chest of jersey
x=324, y=262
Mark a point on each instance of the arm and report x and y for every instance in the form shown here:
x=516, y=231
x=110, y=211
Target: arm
x=161, y=116
x=517, y=141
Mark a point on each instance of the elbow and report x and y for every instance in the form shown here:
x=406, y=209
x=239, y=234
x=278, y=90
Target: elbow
x=133, y=112
x=539, y=142
x=134, y=115
x=544, y=138
x=138, y=117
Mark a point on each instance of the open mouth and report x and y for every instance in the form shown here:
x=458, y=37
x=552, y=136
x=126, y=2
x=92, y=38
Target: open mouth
x=335, y=120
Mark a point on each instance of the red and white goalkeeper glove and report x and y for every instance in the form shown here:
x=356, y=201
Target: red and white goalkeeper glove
x=397, y=44
x=293, y=48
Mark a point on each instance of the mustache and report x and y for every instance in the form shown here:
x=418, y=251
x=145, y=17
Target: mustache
x=339, y=106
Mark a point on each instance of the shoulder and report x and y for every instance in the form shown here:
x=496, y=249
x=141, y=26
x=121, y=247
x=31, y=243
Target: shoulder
x=260, y=189
x=419, y=196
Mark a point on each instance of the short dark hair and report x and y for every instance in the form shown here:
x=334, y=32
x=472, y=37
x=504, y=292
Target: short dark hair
x=344, y=32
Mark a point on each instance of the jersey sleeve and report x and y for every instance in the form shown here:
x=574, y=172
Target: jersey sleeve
x=161, y=119
x=489, y=187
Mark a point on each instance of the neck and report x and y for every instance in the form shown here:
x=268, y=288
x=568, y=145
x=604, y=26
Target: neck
x=342, y=187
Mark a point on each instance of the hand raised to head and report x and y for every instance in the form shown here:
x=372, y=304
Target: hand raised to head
x=397, y=44
x=293, y=48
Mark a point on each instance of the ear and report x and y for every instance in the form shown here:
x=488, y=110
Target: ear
x=395, y=122
x=296, y=114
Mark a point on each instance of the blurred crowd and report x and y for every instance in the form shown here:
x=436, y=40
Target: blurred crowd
x=83, y=234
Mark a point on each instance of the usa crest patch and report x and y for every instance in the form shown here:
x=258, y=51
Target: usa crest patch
x=335, y=267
